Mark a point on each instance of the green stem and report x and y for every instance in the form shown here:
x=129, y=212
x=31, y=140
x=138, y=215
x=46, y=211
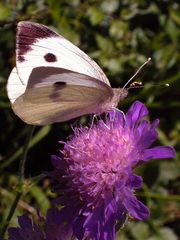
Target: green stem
x=25, y=151
x=160, y=196
x=36, y=138
x=21, y=179
x=11, y=212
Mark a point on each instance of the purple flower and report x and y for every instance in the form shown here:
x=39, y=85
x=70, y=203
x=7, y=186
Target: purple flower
x=94, y=173
x=27, y=230
x=46, y=229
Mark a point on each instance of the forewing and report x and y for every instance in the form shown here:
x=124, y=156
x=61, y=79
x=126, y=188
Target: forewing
x=38, y=45
x=59, y=100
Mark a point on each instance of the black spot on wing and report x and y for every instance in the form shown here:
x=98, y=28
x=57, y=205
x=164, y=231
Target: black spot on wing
x=50, y=57
x=60, y=83
x=27, y=34
x=56, y=91
x=20, y=58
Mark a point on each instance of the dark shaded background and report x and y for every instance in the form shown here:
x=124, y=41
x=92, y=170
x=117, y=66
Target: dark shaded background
x=119, y=36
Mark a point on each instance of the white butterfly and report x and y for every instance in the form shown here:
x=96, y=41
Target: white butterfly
x=54, y=80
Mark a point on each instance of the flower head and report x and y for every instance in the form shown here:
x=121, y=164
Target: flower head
x=27, y=230
x=94, y=172
x=46, y=229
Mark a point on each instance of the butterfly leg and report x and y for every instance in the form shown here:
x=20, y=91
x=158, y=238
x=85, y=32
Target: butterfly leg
x=98, y=118
x=106, y=114
x=124, y=116
x=94, y=116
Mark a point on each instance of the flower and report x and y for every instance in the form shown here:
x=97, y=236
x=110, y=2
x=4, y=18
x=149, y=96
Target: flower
x=27, y=230
x=47, y=229
x=94, y=173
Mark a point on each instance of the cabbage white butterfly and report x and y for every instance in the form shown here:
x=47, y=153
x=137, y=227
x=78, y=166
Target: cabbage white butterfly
x=54, y=80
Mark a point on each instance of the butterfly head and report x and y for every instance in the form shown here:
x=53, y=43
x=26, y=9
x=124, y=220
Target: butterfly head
x=118, y=95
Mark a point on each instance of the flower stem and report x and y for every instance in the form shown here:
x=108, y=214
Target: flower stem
x=25, y=151
x=21, y=179
x=11, y=212
x=159, y=196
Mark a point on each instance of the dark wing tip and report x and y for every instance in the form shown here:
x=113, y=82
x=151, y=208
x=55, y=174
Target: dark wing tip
x=34, y=30
x=27, y=34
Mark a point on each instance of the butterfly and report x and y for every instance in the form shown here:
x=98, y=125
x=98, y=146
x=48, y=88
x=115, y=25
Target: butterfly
x=55, y=81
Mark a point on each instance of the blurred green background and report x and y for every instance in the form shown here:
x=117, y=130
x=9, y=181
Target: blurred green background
x=119, y=36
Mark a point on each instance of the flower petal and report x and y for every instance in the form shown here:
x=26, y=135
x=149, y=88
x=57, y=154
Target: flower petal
x=136, y=208
x=55, y=227
x=158, y=152
x=136, y=112
x=14, y=234
x=27, y=230
x=146, y=134
x=117, y=117
x=134, y=181
x=25, y=222
x=93, y=222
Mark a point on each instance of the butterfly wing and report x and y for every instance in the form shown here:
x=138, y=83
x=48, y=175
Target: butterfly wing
x=15, y=87
x=56, y=95
x=38, y=45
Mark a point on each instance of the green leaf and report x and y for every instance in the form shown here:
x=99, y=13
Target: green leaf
x=140, y=231
x=41, y=198
x=165, y=234
x=96, y=15
x=118, y=29
x=109, y=6
x=5, y=11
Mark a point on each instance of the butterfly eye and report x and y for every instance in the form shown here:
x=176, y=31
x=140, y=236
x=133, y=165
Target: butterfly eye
x=136, y=84
x=50, y=57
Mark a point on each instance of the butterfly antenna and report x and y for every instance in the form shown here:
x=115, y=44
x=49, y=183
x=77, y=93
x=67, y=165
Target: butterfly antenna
x=136, y=73
x=139, y=85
